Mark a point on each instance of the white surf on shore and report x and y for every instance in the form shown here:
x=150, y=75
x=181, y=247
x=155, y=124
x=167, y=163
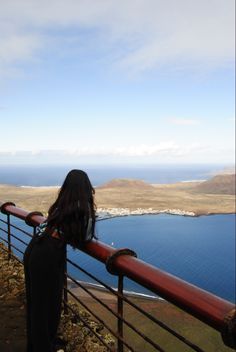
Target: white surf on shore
x=103, y=289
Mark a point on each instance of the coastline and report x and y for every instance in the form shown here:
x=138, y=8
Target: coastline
x=40, y=187
x=109, y=213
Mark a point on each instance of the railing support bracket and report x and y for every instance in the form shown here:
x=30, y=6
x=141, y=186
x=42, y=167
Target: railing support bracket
x=4, y=205
x=110, y=260
x=29, y=221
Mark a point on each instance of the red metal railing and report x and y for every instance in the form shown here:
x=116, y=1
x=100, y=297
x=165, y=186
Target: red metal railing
x=210, y=309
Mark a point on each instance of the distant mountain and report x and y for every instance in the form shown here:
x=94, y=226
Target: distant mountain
x=126, y=183
x=227, y=171
x=220, y=184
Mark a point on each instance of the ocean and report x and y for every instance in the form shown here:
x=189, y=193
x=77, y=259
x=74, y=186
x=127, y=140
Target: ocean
x=200, y=250
x=44, y=175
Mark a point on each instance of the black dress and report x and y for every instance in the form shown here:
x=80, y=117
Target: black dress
x=44, y=265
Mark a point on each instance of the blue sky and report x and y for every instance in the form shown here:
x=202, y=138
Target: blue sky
x=145, y=81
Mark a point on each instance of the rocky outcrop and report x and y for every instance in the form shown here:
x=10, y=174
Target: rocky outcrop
x=79, y=338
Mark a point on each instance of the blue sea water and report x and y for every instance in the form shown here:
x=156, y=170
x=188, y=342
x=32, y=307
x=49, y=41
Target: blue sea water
x=200, y=250
x=45, y=175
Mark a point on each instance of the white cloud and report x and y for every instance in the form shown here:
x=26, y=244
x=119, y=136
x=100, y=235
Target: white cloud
x=168, y=151
x=137, y=34
x=18, y=47
x=184, y=122
x=169, y=148
x=147, y=150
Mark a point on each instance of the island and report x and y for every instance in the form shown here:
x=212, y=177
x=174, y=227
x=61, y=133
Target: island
x=122, y=197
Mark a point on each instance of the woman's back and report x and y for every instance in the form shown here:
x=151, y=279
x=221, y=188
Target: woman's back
x=71, y=220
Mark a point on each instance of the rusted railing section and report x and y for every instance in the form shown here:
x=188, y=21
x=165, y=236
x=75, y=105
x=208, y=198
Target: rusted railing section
x=210, y=309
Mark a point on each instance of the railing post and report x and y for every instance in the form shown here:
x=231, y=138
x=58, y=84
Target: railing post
x=228, y=333
x=110, y=268
x=65, y=293
x=9, y=235
x=120, y=313
x=3, y=210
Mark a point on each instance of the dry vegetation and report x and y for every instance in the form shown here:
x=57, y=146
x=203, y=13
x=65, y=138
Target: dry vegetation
x=35, y=198
x=201, y=198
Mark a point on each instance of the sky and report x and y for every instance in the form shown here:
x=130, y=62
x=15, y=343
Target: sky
x=128, y=81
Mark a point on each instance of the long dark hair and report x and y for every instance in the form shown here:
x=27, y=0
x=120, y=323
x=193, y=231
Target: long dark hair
x=73, y=208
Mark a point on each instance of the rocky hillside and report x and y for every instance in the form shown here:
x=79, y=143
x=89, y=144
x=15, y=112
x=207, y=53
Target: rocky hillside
x=220, y=184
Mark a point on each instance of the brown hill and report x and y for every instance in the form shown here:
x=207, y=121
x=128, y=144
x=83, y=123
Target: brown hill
x=126, y=183
x=220, y=184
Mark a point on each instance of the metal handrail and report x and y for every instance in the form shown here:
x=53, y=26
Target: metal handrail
x=209, y=308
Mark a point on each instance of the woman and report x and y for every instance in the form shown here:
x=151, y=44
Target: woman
x=71, y=220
